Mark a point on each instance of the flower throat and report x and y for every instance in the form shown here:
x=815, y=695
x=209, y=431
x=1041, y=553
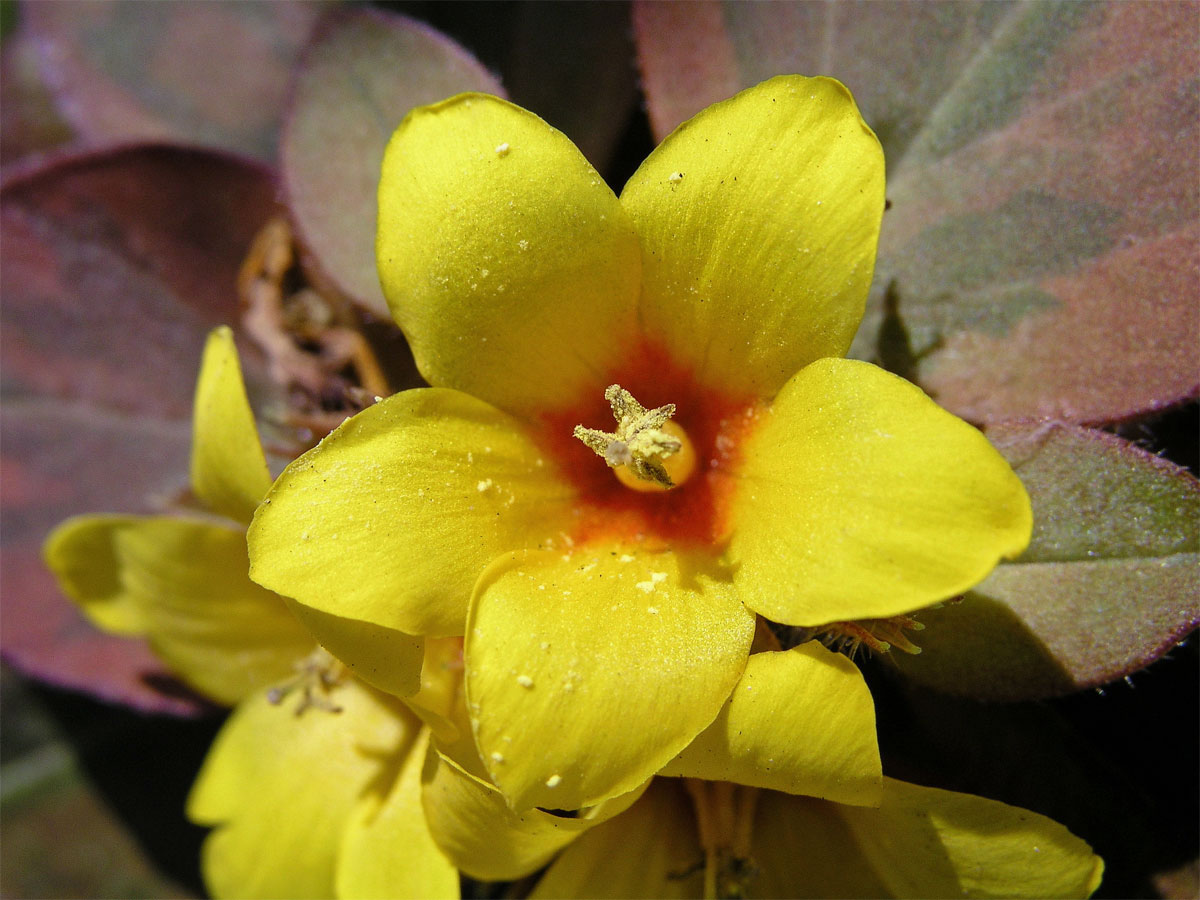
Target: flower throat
x=647, y=452
x=613, y=502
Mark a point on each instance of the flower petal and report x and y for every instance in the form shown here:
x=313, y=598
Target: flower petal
x=387, y=850
x=861, y=498
x=184, y=583
x=758, y=220
x=229, y=471
x=831, y=863
x=800, y=721
x=393, y=516
x=384, y=658
x=563, y=649
x=925, y=842
x=281, y=789
x=643, y=853
x=439, y=701
x=503, y=255
x=476, y=829
x=82, y=555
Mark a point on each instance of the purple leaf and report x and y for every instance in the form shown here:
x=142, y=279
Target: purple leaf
x=364, y=71
x=116, y=265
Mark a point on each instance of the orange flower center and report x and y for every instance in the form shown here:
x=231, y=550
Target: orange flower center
x=710, y=423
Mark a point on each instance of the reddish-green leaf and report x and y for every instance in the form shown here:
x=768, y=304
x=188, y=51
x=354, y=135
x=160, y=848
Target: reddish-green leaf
x=115, y=265
x=209, y=73
x=693, y=55
x=364, y=71
x=29, y=121
x=1180, y=883
x=58, y=459
x=1039, y=257
x=1109, y=583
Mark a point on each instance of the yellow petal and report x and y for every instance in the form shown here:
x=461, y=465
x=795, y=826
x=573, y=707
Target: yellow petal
x=925, y=842
x=393, y=516
x=503, y=255
x=384, y=658
x=800, y=721
x=477, y=830
x=758, y=221
x=387, y=851
x=802, y=848
x=229, y=471
x=82, y=555
x=184, y=583
x=439, y=701
x=860, y=498
x=458, y=746
x=652, y=850
x=588, y=672
x=281, y=790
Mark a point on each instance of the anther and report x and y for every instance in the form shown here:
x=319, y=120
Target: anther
x=316, y=677
x=648, y=452
x=876, y=635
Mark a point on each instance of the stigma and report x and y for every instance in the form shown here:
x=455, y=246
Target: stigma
x=647, y=451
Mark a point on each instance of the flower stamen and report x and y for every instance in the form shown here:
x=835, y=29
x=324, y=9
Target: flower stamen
x=876, y=635
x=648, y=452
x=318, y=674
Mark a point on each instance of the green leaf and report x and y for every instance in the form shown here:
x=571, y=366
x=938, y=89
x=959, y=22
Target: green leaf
x=364, y=71
x=1110, y=582
x=1038, y=258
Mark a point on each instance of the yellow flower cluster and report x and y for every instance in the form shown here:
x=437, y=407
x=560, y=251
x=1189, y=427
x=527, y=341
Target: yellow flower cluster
x=545, y=643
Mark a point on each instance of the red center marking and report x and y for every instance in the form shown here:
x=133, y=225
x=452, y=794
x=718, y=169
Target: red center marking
x=695, y=513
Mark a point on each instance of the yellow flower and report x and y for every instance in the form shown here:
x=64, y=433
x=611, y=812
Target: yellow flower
x=744, y=830
x=181, y=580
x=323, y=804
x=920, y=843
x=606, y=626
x=316, y=805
